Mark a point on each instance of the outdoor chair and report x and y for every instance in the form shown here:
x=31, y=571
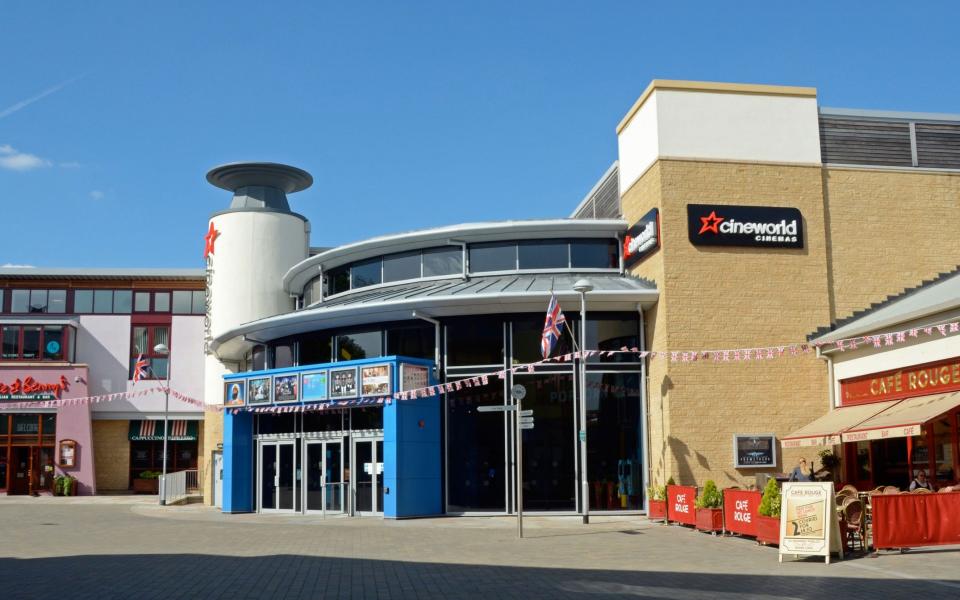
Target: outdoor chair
x=853, y=522
x=921, y=491
x=891, y=490
x=945, y=488
x=846, y=493
x=849, y=488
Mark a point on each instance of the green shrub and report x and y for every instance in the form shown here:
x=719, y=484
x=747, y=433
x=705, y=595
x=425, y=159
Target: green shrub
x=657, y=492
x=67, y=483
x=770, y=502
x=710, y=497
x=671, y=481
x=150, y=475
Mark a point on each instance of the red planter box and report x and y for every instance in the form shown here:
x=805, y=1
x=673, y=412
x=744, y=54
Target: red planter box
x=680, y=504
x=768, y=530
x=658, y=510
x=146, y=486
x=710, y=519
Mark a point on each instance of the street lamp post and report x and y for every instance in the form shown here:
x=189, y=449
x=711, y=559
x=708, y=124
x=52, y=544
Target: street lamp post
x=162, y=349
x=583, y=286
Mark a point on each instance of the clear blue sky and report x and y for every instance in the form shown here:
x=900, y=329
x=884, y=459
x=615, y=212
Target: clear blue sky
x=408, y=114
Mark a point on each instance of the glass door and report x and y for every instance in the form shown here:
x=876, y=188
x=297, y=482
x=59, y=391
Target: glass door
x=278, y=477
x=368, y=477
x=324, y=488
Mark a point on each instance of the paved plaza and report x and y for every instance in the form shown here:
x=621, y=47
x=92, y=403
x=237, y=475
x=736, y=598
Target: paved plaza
x=127, y=547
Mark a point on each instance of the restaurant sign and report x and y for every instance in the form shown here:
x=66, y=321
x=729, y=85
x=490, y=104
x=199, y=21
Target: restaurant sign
x=930, y=378
x=808, y=520
x=754, y=451
x=30, y=389
x=756, y=226
x=642, y=239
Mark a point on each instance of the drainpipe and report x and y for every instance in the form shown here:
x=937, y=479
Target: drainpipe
x=644, y=435
x=436, y=341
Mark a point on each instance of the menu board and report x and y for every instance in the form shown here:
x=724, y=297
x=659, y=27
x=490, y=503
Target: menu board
x=755, y=451
x=285, y=388
x=233, y=393
x=375, y=380
x=258, y=390
x=343, y=383
x=808, y=520
x=313, y=386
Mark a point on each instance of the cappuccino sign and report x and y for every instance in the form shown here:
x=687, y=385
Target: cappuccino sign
x=641, y=239
x=754, y=226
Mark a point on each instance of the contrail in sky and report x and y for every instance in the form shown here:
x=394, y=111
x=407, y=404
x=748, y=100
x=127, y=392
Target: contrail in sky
x=25, y=103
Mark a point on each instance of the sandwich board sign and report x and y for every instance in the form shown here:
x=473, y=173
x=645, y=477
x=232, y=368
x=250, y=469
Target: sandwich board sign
x=809, y=525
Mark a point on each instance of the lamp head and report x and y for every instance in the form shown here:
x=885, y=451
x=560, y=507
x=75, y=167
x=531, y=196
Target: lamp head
x=161, y=349
x=583, y=286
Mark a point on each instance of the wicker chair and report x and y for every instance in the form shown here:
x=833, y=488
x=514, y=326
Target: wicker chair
x=849, y=488
x=945, y=488
x=921, y=490
x=853, y=522
x=891, y=490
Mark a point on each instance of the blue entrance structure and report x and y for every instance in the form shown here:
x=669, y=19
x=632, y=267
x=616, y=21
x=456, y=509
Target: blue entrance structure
x=412, y=434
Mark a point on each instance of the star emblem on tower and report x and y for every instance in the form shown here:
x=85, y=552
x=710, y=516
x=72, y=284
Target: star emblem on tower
x=210, y=239
x=710, y=223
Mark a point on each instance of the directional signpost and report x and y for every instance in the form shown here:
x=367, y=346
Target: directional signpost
x=524, y=421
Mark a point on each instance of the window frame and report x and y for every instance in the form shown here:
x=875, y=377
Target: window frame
x=150, y=355
x=66, y=348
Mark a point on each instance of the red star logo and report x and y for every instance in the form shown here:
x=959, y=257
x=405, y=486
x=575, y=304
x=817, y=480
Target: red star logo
x=710, y=223
x=210, y=239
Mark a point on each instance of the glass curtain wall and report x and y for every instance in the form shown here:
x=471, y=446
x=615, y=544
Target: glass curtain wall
x=480, y=446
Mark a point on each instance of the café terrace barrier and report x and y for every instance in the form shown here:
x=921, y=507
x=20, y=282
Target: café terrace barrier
x=740, y=510
x=680, y=504
x=913, y=520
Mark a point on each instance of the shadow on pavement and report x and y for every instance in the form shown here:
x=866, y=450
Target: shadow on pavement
x=168, y=576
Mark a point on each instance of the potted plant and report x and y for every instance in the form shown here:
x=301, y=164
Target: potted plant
x=768, y=521
x=147, y=483
x=64, y=485
x=830, y=463
x=657, y=495
x=710, y=508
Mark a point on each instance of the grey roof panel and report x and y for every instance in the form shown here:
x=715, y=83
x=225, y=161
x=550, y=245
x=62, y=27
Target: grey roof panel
x=100, y=273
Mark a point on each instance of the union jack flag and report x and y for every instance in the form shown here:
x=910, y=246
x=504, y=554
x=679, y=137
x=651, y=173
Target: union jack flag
x=140, y=368
x=552, y=327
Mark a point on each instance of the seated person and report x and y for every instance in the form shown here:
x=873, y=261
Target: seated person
x=920, y=481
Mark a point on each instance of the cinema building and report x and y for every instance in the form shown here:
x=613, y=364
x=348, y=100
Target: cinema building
x=73, y=334
x=735, y=217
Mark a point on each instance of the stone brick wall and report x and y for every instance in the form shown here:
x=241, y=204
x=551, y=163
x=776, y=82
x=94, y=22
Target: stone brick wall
x=212, y=436
x=889, y=230
x=868, y=234
x=111, y=454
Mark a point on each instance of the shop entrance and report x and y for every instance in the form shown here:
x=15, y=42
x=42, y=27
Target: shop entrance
x=325, y=487
x=31, y=469
x=368, y=481
x=277, y=491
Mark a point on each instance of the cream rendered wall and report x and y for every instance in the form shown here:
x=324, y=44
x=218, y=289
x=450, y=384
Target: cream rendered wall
x=742, y=127
x=245, y=282
x=637, y=144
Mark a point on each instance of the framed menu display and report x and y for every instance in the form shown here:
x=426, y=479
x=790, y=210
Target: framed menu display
x=285, y=388
x=234, y=393
x=413, y=377
x=375, y=380
x=755, y=451
x=809, y=524
x=313, y=386
x=68, y=454
x=258, y=390
x=343, y=383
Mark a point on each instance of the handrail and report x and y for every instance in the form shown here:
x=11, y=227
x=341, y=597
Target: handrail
x=175, y=487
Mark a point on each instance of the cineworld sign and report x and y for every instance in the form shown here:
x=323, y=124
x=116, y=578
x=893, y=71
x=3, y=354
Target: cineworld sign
x=756, y=226
x=641, y=239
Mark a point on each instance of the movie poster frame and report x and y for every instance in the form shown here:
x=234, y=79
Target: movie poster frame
x=736, y=454
x=326, y=385
x=242, y=384
x=389, y=391
x=250, y=382
x=273, y=388
x=356, y=380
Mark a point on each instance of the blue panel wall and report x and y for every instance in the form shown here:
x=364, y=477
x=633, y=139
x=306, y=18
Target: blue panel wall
x=412, y=451
x=238, y=451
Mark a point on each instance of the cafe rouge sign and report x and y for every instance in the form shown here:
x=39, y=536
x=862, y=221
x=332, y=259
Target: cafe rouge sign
x=642, y=239
x=930, y=378
x=31, y=389
x=753, y=226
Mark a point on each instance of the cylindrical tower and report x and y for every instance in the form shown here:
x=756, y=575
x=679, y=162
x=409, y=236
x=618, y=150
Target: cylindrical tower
x=249, y=247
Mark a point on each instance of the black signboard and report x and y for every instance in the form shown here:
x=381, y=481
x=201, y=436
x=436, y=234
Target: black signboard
x=756, y=226
x=755, y=451
x=642, y=239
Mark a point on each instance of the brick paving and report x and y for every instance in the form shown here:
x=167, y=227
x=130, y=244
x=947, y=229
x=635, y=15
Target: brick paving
x=129, y=548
